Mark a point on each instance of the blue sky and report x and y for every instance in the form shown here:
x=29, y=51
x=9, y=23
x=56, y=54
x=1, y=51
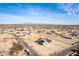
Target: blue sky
x=42, y=13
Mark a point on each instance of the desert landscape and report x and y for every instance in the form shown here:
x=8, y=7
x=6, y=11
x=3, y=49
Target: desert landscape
x=39, y=40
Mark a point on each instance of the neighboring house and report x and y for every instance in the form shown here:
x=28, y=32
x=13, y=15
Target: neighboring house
x=75, y=34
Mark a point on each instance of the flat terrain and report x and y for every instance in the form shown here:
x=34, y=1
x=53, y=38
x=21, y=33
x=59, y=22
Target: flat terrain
x=36, y=39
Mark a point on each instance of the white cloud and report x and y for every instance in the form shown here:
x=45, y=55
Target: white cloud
x=70, y=8
x=39, y=15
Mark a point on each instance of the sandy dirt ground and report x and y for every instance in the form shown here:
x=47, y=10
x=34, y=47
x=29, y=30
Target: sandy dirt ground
x=60, y=39
x=9, y=46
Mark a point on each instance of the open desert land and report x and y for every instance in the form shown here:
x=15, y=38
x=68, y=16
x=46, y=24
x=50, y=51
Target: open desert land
x=37, y=39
